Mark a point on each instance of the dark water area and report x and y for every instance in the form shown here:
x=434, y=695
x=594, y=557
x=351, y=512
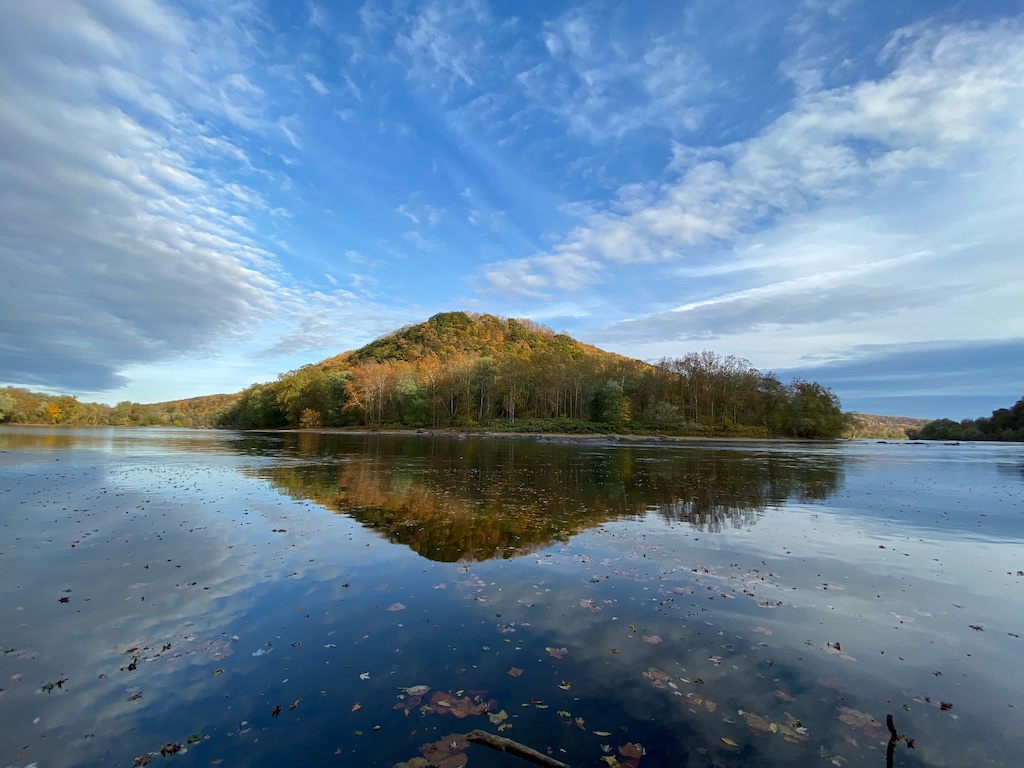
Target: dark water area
x=246, y=599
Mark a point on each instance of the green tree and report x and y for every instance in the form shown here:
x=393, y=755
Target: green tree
x=813, y=411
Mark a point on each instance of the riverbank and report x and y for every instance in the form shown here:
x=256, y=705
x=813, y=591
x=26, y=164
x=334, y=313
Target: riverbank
x=561, y=437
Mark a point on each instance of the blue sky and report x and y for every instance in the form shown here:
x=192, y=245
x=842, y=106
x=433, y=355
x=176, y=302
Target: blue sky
x=197, y=196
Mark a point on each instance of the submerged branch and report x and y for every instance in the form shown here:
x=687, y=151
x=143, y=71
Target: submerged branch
x=502, y=744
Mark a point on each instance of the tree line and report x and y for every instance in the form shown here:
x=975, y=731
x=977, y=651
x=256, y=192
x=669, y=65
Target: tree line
x=461, y=370
x=1005, y=424
x=22, y=406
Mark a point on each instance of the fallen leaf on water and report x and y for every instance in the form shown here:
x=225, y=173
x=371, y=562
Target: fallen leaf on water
x=758, y=724
x=610, y=760
x=447, y=752
x=565, y=685
x=975, y=627
x=558, y=653
x=515, y=672
x=862, y=720
x=730, y=742
x=632, y=750
x=945, y=706
x=396, y=607
x=277, y=711
x=356, y=707
x=580, y=723
x=497, y=717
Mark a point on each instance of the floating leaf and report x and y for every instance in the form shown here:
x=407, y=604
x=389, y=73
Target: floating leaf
x=558, y=653
x=497, y=717
x=396, y=607
x=758, y=724
x=730, y=742
x=447, y=752
x=515, y=672
x=602, y=733
x=632, y=750
x=565, y=685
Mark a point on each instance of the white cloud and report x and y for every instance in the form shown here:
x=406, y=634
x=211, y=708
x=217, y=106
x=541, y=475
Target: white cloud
x=904, y=161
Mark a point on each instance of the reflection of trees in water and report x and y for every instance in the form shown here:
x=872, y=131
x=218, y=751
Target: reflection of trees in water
x=474, y=499
x=733, y=488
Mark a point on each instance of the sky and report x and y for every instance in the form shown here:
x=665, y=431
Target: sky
x=200, y=195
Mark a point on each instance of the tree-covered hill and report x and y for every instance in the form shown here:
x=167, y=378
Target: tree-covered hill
x=1005, y=424
x=465, y=370
x=868, y=425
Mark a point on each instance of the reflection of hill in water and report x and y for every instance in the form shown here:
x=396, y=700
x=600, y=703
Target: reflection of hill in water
x=475, y=499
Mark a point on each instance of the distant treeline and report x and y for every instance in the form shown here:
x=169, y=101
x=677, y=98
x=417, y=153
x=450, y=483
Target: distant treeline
x=1005, y=424
x=461, y=370
x=21, y=406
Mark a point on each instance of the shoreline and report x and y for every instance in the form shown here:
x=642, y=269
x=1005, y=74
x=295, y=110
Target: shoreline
x=561, y=437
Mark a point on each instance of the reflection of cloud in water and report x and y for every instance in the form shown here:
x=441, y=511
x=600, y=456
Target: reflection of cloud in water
x=146, y=562
x=766, y=662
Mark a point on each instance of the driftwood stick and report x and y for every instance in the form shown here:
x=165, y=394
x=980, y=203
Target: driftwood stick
x=502, y=744
x=891, y=726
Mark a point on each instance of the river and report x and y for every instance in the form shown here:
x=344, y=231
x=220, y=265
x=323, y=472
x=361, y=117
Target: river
x=276, y=599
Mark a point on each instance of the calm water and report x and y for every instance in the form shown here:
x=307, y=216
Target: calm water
x=279, y=600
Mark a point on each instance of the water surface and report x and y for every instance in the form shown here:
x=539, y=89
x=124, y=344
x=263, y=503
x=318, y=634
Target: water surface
x=271, y=599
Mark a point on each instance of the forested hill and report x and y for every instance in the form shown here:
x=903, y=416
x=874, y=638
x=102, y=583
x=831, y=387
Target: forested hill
x=1005, y=424
x=465, y=370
